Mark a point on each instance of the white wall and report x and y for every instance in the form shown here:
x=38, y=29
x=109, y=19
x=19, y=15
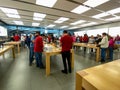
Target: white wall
x=97, y=31
x=113, y=29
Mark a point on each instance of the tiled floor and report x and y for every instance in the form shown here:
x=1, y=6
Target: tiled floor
x=18, y=75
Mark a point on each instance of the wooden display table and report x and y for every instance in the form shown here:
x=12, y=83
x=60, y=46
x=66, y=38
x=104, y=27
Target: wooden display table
x=55, y=51
x=90, y=46
x=14, y=43
x=7, y=48
x=101, y=77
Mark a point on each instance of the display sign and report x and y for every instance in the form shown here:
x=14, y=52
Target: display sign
x=3, y=31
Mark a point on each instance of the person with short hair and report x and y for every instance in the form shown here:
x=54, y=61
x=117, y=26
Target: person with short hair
x=38, y=49
x=16, y=37
x=31, y=51
x=66, y=43
x=23, y=41
x=104, y=45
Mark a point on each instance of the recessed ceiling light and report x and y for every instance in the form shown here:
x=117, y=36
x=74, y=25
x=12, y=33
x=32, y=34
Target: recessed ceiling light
x=51, y=25
x=10, y=12
x=61, y=20
x=38, y=16
x=77, y=22
x=88, y=24
x=13, y=15
x=73, y=27
x=94, y=3
x=80, y=9
x=63, y=27
x=46, y=3
x=18, y=22
x=35, y=24
x=100, y=15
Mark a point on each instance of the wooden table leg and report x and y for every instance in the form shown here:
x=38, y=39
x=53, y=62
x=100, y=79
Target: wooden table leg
x=72, y=59
x=47, y=64
x=98, y=54
x=78, y=82
x=18, y=48
x=13, y=52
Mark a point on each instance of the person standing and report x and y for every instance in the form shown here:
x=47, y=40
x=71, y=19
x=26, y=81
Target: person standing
x=66, y=43
x=38, y=49
x=23, y=41
x=91, y=41
x=104, y=45
x=16, y=37
x=31, y=54
x=110, y=48
x=85, y=40
x=28, y=41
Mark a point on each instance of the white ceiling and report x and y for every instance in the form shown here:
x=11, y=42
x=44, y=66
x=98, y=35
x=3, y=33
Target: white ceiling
x=62, y=8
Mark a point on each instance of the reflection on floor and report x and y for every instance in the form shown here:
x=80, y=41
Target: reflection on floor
x=18, y=75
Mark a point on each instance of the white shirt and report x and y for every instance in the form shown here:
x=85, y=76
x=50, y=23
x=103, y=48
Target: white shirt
x=104, y=42
x=22, y=38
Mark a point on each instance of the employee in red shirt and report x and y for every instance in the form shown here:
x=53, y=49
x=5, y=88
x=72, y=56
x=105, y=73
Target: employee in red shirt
x=38, y=49
x=66, y=43
x=85, y=40
x=16, y=37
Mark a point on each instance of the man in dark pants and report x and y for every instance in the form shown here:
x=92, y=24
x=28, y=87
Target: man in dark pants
x=66, y=43
x=31, y=55
x=38, y=49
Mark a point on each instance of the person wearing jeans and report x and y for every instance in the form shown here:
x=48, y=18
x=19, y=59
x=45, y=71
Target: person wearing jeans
x=31, y=52
x=110, y=48
x=38, y=49
x=104, y=45
x=38, y=56
x=103, y=54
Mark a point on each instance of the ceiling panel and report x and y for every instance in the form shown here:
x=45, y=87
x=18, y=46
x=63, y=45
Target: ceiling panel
x=108, y=6
x=91, y=12
x=62, y=8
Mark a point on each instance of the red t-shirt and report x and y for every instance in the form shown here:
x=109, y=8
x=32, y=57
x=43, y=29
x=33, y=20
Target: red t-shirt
x=66, y=43
x=81, y=39
x=16, y=38
x=85, y=39
x=38, y=44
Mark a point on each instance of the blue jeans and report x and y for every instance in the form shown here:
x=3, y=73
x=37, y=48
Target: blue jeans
x=31, y=55
x=103, y=54
x=38, y=56
x=111, y=53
